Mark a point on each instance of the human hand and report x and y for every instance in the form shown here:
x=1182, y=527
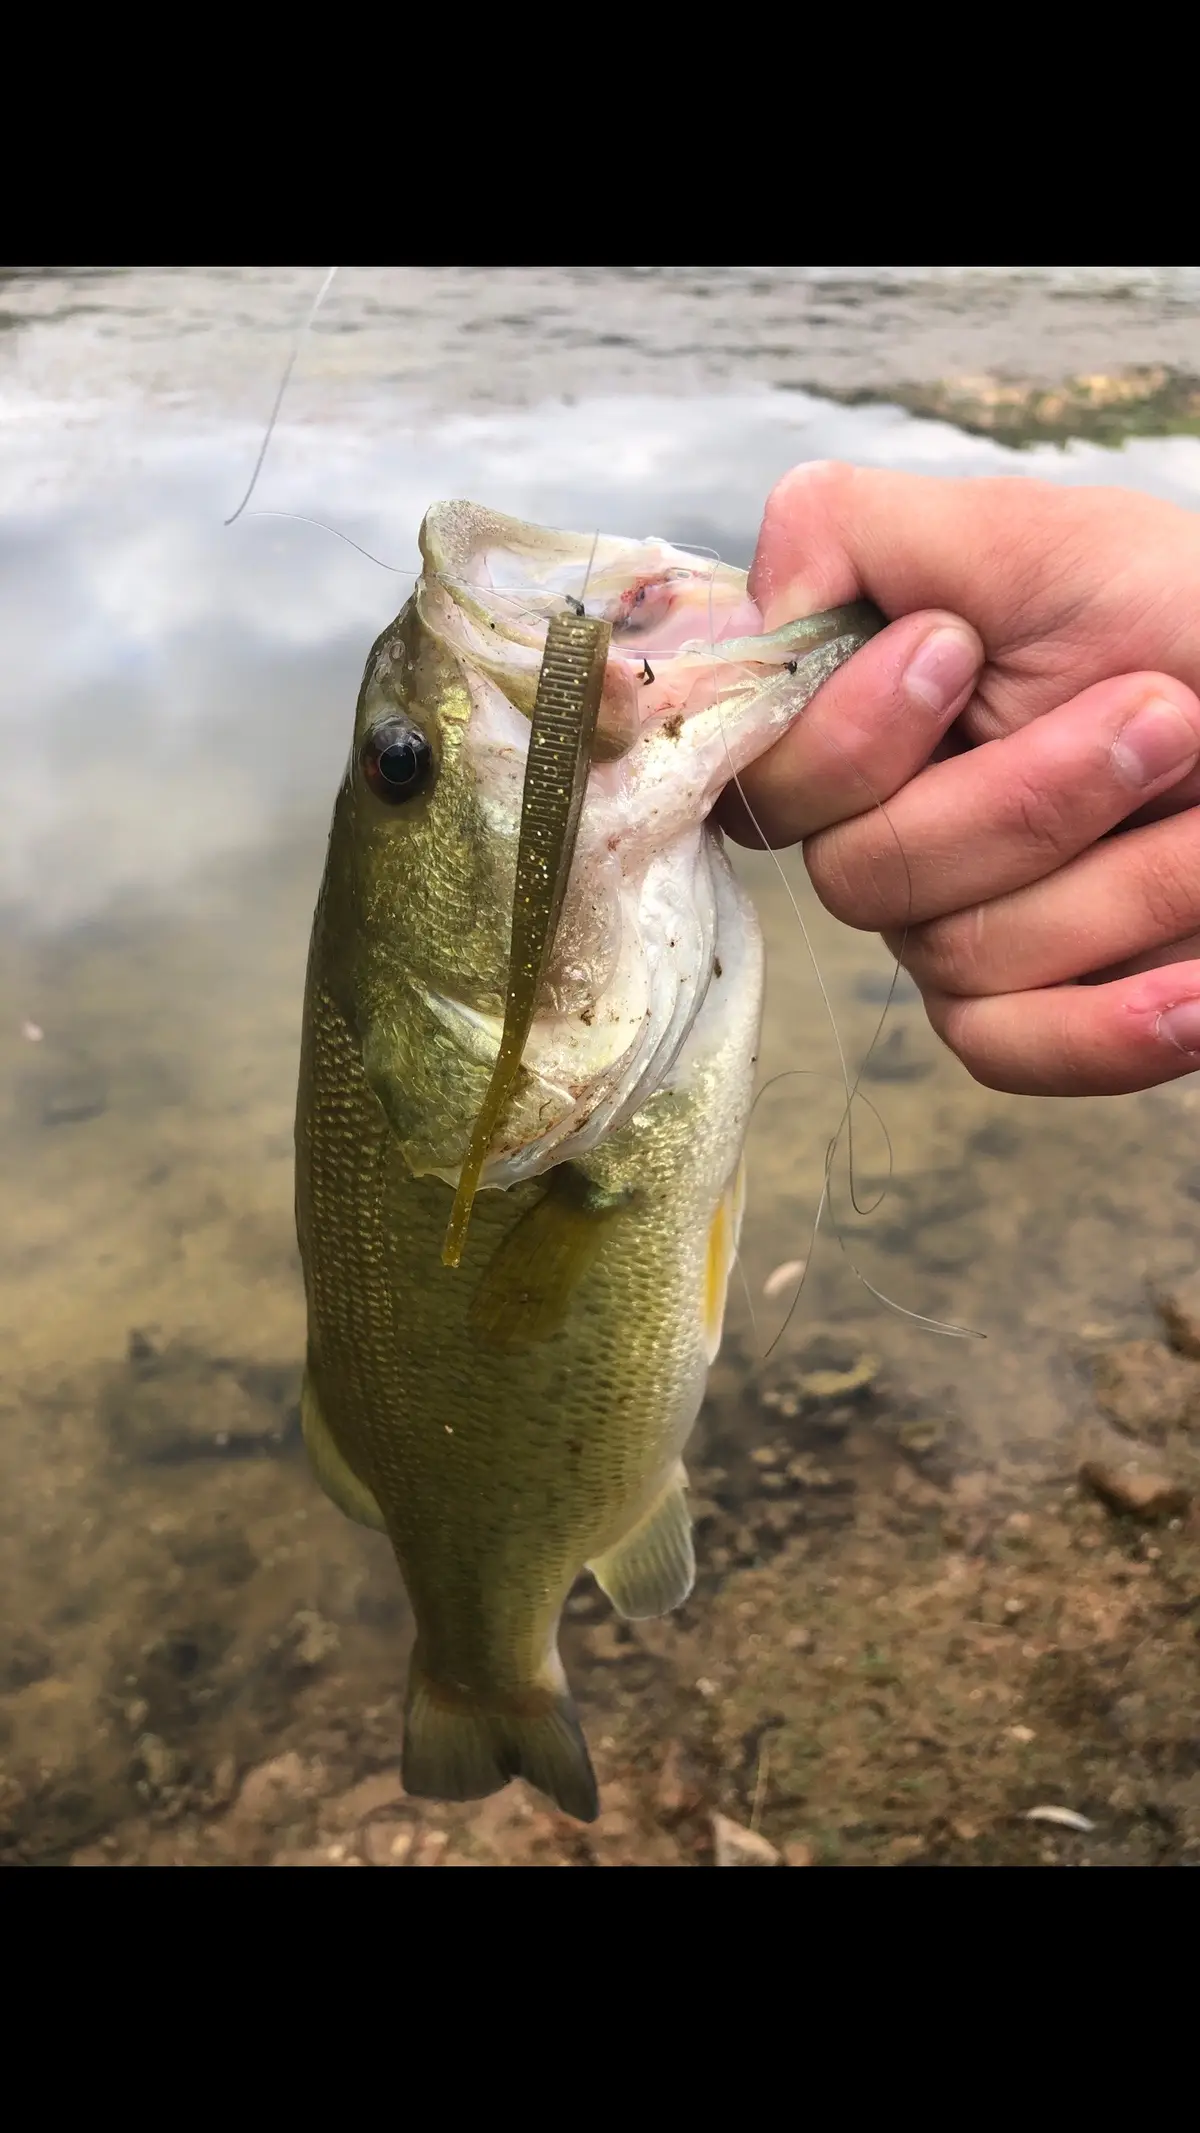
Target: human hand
x=1036, y=695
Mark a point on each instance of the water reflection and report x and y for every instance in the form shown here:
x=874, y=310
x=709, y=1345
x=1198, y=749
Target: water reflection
x=175, y=705
x=175, y=691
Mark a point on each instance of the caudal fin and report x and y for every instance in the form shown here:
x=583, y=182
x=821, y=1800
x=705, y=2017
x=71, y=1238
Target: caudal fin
x=458, y=1750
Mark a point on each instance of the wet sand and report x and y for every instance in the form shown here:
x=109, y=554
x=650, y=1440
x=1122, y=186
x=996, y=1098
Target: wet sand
x=913, y=1622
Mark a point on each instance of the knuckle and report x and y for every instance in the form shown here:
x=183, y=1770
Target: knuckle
x=970, y=1036
x=853, y=882
x=1045, y=819
x=948, y=951
x=834, y=884
x=1170, y=896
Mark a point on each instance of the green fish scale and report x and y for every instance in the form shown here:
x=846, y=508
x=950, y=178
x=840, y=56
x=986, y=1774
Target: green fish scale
x=498, y=1475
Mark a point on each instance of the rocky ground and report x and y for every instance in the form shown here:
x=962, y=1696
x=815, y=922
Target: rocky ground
x=888, y=1660
x=1104, y=407
x=936, y=1622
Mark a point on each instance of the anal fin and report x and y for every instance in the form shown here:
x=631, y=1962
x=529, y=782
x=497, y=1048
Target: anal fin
x=338, y=1479
x=653, y=1568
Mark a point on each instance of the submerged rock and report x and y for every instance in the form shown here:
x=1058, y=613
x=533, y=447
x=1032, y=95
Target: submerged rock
x=1146, y=1389
x=174, y=1402
x=1179, y=1309
x=1135, y=1490
x=735, y=1846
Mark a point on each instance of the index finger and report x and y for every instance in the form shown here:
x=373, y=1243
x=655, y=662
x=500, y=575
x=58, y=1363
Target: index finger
x=1064, y=585
x=869, y=729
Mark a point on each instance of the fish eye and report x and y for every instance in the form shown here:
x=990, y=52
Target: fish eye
x=397, y=760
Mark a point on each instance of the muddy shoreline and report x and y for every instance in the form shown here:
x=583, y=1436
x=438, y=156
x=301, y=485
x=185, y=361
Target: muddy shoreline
x=916, y=1620
x=466, y=337
x=888, y=1660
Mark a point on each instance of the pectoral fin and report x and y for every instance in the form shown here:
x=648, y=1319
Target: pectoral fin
x=526, y=1288
x=336, y=1477
x=654, y=1568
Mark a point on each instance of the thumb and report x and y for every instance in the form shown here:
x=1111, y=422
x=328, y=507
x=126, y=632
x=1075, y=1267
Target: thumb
x=833, y=533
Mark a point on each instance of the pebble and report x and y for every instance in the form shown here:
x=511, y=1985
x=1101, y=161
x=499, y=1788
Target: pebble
x=735, y=1846
x=805, y=1472
x=159, y=1763
x=272, y=1789
x=677, y=1792
x=311, y=1640
x=776, y=1518
x=605, y=1644
x=1135, y=1490
x=1146, y=1389
x=308, y=1858
x=369, y=1797
x=434, y=1842
x=1179, y=1309
x=797, y=1853
x=224, y=1782
x=906, y=1847
x=614, y=1826
x=388, y=1843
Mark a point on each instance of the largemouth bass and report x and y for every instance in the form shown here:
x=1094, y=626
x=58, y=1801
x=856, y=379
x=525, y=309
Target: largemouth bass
x=513, y=1418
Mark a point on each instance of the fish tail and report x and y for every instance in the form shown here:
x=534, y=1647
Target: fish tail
x=456, y=1748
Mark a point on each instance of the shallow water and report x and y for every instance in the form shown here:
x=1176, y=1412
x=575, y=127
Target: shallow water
x=175, y=704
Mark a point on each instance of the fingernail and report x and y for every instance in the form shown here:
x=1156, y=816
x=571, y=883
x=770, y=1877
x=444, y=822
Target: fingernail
x=942, y=668
x=1157, y=740
x=1180, y=1025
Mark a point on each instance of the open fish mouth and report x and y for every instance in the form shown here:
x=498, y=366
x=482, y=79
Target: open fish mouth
x=685, y=633
x=492, y=585
x=692, y=691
